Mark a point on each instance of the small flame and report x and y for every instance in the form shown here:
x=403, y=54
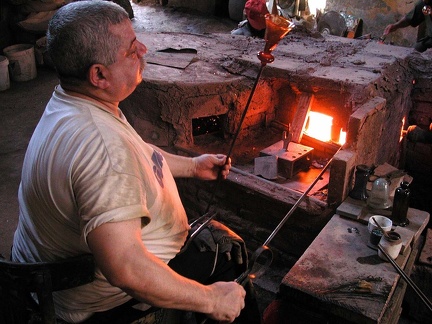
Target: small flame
x=403, y=132
x=342, y=137
x=319, y=126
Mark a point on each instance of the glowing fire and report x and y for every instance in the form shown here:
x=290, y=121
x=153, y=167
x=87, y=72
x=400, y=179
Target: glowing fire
x=342, y=137
x=403, y=132
x=319, y=126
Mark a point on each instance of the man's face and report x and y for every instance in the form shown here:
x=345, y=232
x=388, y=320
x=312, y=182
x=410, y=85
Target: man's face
x=126, y=72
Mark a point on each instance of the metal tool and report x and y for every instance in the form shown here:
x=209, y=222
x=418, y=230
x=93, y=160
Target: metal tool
x=408, y=280
x=207, y=217
x=236, y=134
x=219, y=178
x=303, y=196
x=276, y=28
x=287, y=138
x=255, y=270
x=259, y=263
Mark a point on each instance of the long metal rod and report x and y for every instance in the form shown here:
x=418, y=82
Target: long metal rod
x=294, y=207
x=232, y=146
x=264, y=248
x=411, y=283
x=236, y=134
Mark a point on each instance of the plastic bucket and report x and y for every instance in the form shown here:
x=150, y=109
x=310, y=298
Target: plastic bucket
x=22, y=63
x=4, y=73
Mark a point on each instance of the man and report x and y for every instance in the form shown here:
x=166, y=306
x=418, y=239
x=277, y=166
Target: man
x=255, y=24
x=420, y=13
x=91, y=185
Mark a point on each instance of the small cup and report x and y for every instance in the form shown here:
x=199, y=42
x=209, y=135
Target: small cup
x=375, y=237
x=392, y=244
x=385, y=222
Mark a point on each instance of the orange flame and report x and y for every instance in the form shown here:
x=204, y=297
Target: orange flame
x=319, y=126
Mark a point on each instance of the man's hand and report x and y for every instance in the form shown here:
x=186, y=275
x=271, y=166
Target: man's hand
x=389, y=29
x=402, y=23
x=208, y=166
x=228, y=301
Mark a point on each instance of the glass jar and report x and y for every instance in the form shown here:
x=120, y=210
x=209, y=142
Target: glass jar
x=379, y=197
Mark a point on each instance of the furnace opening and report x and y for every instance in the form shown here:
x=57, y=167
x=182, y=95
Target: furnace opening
x=208, y=125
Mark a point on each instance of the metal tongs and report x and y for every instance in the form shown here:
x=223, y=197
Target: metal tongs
x=259, y=263
x=207, y=217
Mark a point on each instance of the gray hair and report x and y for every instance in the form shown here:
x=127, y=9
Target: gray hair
x=79, y=36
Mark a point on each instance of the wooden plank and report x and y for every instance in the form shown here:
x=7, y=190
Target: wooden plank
x=304, y=105
x=426, y=253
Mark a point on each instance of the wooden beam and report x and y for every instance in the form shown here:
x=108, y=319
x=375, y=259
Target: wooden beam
x=304, y=105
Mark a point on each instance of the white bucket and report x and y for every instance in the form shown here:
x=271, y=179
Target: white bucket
x=22, y=63
x=4, y=73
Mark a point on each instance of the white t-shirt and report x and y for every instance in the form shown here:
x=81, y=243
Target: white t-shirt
x=85, y=167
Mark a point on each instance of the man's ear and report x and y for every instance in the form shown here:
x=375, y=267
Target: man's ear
x=97, y=76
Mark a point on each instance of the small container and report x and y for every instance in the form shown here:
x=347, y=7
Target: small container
x=375, y=237
x=385, y=222
x=392, y=244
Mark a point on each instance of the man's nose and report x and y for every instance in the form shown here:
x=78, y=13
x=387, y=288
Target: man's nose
x=142, y=49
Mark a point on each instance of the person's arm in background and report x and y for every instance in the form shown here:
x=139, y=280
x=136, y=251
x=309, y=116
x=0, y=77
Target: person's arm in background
x=414, y=18
x=402, y=23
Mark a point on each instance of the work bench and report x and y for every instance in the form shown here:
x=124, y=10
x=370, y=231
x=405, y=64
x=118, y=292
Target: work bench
x=340, y=279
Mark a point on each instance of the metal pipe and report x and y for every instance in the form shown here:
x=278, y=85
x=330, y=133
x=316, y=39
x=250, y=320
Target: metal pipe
x=408, y=280
x=253, y=270
x=236, y=134
x=294, y=207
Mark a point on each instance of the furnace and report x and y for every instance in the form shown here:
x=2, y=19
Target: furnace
x=345, y=79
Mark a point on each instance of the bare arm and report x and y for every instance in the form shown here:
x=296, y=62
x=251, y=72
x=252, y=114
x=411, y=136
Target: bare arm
x=402, y=23
x=126, y=263
x=205, y=166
